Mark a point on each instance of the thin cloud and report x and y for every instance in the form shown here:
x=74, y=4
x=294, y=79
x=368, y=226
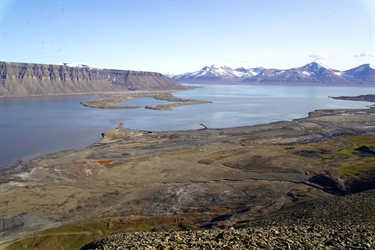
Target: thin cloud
x=370, y=54
x=318, y=56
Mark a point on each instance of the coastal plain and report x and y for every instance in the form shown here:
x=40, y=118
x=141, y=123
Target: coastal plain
x=208, y=178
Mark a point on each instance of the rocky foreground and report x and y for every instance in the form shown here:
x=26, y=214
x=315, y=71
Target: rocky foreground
x=272, y=237
x=346, y=222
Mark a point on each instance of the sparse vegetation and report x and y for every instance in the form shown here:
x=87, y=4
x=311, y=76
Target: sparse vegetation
x=248, y=173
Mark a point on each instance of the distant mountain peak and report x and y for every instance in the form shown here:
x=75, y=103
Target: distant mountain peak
x=363, y=72
x=319, y=64
x=365, y=65
x=315, y=66
x=218, y=73
x=359, y=68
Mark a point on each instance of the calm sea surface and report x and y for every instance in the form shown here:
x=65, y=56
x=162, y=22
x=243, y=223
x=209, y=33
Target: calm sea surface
x=32, y=126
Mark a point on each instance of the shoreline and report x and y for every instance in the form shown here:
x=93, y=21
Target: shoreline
x=109, y=101
x=202, y=178
x=123, y=96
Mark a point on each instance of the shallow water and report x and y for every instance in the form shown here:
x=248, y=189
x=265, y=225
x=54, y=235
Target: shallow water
x=33, y=126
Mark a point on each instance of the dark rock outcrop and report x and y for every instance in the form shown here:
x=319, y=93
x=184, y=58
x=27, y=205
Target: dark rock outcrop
x=23, y=79
x=329, y=185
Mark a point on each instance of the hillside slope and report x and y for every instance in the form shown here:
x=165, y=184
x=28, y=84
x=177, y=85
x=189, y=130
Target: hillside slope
x=24, y=79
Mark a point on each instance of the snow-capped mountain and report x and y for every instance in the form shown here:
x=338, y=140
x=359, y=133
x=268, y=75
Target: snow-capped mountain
x=313, y=73
x=250, y=72
x=364, y=73
x=217, y=74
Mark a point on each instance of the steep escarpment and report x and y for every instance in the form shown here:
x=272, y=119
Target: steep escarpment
x=23, y=79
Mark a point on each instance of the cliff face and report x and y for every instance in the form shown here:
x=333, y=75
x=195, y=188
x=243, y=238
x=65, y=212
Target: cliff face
x=23, y=79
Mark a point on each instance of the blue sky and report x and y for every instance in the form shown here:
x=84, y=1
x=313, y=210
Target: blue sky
x=185, y=35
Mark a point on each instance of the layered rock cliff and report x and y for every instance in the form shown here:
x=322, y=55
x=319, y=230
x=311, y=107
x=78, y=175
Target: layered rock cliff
x=23, y=79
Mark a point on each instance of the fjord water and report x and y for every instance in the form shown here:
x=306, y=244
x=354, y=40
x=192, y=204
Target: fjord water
x=32, y=126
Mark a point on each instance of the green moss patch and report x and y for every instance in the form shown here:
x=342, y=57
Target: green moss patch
x=76, y=235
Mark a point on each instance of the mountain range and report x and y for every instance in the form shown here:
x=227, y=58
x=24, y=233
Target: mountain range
x=313, y=73
x=23, y=79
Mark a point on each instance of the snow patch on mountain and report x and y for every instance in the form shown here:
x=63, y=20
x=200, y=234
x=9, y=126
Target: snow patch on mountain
x=219, y=72
x=321, y=65
x=256, y=71
x=359, y=69
x=279, y=72
x=81, y=65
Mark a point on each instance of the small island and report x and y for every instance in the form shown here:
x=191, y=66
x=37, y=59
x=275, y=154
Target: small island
x=111, y=100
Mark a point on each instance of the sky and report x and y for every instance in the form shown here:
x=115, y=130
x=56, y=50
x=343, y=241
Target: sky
x=177, y=36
